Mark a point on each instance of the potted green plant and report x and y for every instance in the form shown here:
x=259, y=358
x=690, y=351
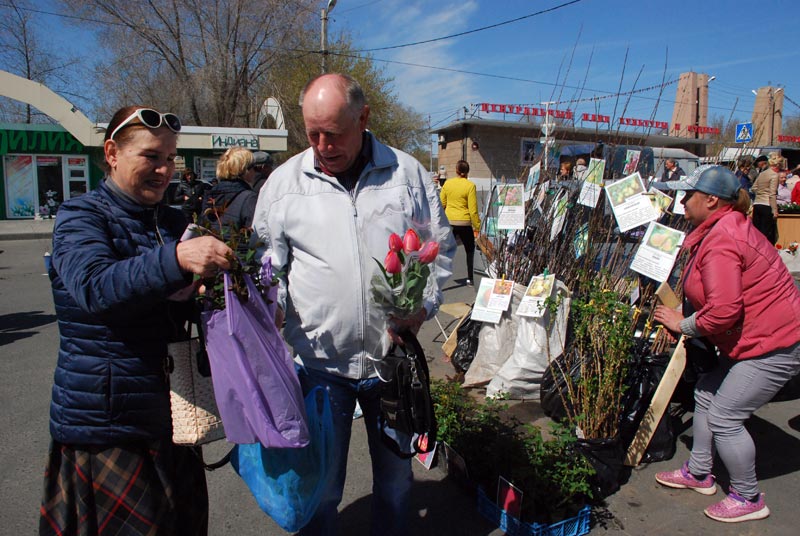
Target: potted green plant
x=555, y=480
x=594, y=369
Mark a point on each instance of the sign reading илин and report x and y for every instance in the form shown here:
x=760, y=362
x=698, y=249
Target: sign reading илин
x=226, y=141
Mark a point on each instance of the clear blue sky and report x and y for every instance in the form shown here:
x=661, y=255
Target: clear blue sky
x=745, y=44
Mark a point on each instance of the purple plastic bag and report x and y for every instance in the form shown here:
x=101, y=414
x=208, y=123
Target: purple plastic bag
x=257, y=389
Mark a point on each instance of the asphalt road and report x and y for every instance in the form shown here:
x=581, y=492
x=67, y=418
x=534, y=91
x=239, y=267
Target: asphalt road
x=28, y=346
x=28, y=343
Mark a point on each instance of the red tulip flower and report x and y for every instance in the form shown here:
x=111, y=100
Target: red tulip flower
x=411, y=241
x=428, y=252
x=398, y=290
x=392, y=263
x=395, y=243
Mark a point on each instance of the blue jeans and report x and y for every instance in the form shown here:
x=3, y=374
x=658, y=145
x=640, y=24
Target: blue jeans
x=391, y=475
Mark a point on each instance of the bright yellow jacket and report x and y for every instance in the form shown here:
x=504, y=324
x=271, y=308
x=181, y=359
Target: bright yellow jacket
x=460, y=202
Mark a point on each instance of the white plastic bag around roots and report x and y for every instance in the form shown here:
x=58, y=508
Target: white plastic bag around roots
x=521, y=374
x=495, y=344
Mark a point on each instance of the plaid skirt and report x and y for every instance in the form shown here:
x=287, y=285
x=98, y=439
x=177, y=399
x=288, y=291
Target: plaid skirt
x=153, y=488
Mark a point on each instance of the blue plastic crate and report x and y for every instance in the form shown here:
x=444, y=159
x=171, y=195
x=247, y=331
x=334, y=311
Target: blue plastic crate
x=574, y=526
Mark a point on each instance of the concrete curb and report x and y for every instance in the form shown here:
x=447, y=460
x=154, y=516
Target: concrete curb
x=25, y=236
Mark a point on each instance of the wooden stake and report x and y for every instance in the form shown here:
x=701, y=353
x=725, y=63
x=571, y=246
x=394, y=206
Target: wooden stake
x=664, y=390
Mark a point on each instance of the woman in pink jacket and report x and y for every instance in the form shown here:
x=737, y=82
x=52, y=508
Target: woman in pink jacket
x=741, y=297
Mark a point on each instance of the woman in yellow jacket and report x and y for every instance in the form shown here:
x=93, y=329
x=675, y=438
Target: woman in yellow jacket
x=460, y=202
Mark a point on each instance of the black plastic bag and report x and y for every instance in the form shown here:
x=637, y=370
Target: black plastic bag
x=606, y=457
x=553, y=391
x=644, y=375
x=466, y=344
x=701, y=357
x=663, y=445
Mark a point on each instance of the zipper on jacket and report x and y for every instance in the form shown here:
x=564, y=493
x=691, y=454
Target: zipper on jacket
x=364, y=315
x=362, y=359
x=155, y=224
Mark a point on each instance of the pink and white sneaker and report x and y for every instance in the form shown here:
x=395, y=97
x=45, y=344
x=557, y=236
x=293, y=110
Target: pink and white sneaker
x=736, y=508
x=683, y=479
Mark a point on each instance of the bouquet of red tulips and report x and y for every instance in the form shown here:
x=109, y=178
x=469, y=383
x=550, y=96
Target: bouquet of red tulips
x=399, y=288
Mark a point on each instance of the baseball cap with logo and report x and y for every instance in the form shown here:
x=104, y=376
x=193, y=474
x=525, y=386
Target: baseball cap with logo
x=709, y=179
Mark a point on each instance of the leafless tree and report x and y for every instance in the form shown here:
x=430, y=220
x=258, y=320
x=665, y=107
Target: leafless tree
x=24, y=53
x=200, y=58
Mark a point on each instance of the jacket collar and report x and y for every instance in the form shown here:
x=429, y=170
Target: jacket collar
x=381, y=157
x=702, y=230
x=120, y=198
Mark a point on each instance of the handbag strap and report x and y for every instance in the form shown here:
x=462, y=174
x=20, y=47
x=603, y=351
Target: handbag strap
x=198, y=451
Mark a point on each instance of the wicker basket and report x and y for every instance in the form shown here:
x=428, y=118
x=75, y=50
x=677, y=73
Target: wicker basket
x=195, y=417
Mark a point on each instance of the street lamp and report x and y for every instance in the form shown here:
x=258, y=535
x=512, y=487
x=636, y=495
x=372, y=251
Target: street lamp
x=324, y=34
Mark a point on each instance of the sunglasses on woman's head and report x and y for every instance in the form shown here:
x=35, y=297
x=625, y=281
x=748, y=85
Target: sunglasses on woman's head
x=151, y=119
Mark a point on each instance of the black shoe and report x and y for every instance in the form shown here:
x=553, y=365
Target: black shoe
x=468, y=282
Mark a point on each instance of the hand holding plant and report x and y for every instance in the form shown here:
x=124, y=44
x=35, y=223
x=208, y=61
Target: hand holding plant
x=243, y=261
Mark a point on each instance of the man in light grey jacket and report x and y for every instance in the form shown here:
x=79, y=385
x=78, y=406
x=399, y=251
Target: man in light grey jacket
x=324, y=216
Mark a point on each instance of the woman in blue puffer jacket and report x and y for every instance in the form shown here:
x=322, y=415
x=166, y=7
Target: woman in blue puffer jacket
x=120, y=282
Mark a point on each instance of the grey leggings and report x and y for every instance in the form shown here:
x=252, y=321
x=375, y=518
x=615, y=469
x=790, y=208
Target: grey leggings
x=725, y=398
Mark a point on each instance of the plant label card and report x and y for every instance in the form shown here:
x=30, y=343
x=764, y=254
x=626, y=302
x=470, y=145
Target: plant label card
x=660, y=200
x=426, y=458
x=500, y=298
x=631, y=162
x=456, y=465
x=511, y=201
x=636, y=292
x=539, y=289
x=590, y=190
x=540, y=196
x=631, y=208
x=678, y=207
x=533, y=179
x=580, y=244
x=559, y=214
x=509, y=497
x=657, y=252
x=481, y=311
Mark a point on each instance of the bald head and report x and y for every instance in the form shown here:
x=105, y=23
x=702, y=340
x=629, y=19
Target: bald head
x=335, y=116
x=335, y=84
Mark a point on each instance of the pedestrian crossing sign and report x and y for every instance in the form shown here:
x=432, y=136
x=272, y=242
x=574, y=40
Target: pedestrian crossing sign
x=744, y=132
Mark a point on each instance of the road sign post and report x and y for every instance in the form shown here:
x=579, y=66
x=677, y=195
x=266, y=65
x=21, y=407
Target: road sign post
x=744, y=132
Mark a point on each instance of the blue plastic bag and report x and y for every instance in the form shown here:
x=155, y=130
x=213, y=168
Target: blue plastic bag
x=288, y=484
x=255, y=383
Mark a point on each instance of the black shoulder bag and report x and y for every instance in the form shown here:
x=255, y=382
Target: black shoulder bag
x=406, y=404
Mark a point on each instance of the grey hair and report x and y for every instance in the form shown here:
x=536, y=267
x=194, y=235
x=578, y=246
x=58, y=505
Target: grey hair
x=671, y=161
x=354, y=95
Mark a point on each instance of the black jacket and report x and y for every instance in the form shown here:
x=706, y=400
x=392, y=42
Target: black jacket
x=676, y=174
x=235, y=200
x=195, y=190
